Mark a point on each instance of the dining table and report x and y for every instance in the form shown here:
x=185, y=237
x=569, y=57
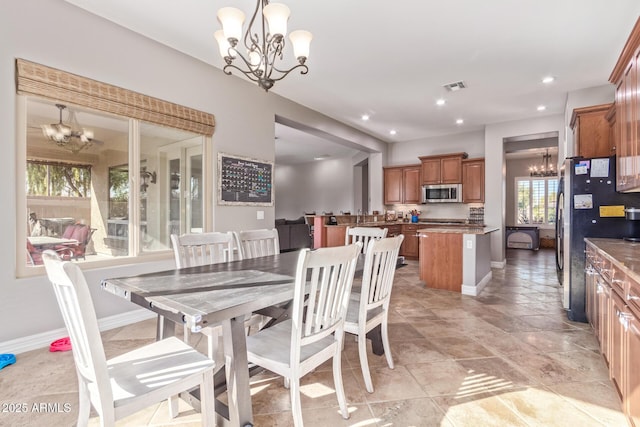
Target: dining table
x=223, y=294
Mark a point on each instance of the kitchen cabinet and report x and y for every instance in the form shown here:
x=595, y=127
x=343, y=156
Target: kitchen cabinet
x=402, y=185
x=336, y=235
x=591, y=131
x=441, y=260
x=443, y=169
x=626, y=79
x=410, y=247
x=473, y=181
x=617, y=304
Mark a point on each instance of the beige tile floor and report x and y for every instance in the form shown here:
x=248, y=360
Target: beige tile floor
x=508, y=357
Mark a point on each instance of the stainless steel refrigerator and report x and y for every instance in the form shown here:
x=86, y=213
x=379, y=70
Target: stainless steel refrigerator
x=587, y=206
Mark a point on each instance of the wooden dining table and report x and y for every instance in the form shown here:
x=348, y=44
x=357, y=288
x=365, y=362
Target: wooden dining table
x=220, y=294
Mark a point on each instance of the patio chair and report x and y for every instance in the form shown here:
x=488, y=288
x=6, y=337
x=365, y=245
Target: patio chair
x=364, y=235
x=132, y=381
x=82, y=233
x=257, y=243
x=34, y=255
x=314, y=333
x=370, y=307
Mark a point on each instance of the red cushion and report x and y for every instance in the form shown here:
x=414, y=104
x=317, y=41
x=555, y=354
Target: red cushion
x=80, y=233
x=68, y=231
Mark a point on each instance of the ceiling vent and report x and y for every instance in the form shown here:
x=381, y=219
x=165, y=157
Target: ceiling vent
x=452, y=87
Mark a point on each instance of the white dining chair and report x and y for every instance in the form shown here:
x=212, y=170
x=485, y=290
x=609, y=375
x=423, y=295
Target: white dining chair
x=257, y=243
x=315, y=331
x=369, y=307
x=364, y=235
x=130, y=382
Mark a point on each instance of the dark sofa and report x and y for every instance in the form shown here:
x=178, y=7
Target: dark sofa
x=293, y=234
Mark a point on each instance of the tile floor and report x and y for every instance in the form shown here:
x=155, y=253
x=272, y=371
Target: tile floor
x=508, y=357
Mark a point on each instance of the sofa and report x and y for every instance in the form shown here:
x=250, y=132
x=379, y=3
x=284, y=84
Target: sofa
x=293, y=234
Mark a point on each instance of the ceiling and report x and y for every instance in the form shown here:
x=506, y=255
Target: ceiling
x=390, y=60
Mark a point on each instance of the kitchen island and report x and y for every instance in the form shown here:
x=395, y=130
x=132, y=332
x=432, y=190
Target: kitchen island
x=455, y=258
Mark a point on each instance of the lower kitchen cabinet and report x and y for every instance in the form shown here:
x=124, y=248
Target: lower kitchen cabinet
x=411, y=244
x=613, y=298
x=441, y=260
x=336, y=235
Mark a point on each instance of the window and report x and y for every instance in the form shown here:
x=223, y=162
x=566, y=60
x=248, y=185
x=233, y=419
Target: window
x=536, y=200
x=131, y=208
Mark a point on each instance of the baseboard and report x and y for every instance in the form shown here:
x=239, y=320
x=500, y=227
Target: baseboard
x=498, y=264
x=475, y=290
x=36, y=341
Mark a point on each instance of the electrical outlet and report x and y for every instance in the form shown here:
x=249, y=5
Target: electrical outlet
x=260, y=215
x=469, y=244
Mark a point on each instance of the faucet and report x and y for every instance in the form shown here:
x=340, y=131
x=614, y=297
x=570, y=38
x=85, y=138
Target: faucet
x=358, y=216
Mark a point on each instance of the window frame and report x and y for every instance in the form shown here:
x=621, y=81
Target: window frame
x=548, y=203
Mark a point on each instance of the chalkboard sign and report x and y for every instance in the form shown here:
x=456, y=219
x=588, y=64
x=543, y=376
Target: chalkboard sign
x=244, y=181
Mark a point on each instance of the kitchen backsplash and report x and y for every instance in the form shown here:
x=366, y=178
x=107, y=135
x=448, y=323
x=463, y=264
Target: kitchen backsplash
x=437, y=210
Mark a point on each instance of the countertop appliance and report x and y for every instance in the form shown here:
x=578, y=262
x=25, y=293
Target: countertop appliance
x=587, y=206
x=442, y=193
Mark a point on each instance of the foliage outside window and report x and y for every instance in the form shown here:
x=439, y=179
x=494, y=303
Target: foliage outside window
x=58, y=179
x=536, y=200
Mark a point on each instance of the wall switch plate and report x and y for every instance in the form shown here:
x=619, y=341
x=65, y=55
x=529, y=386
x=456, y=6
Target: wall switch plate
x=260, y=215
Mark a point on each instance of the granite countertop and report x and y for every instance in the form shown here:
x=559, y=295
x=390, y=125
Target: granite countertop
x=622, y=253
x=459, y=230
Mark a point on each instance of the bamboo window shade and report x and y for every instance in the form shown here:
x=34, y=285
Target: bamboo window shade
x=43, y=81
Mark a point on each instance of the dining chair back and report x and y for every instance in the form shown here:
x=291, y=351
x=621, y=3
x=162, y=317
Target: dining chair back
x=314, y=333
x=257, y=243
x=191, y=250
x=132, y=381
x=370, y=307
x=364, y=235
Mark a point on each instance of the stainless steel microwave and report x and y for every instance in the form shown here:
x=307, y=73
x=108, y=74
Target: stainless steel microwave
x=442, y=193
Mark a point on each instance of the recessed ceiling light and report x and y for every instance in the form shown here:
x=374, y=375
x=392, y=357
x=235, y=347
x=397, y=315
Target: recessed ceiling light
x=392, y=132
x=541, y=108
x=548, y=79
x=440, y=101
x=365, y=117
x=459, y=121
x=321, y=157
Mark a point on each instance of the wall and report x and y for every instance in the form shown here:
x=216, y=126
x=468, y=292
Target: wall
x=495, y=172
x=321, y=186
x=404, y=153
x=99, y=49
x=516, y=168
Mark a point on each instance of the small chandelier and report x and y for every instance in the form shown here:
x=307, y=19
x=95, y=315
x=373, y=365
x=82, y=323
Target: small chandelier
x=67, y=136
x=545, y=169
x=264, y=47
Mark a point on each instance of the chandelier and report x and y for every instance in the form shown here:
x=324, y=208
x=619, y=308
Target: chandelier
x=263, y=47
x=545, y=169
x=72, y=137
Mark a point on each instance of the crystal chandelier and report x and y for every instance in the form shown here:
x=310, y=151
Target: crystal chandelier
x=72, y=137
x=545, y=169
x=263, y=47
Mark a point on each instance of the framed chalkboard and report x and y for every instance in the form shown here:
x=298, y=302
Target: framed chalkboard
x=244, y=181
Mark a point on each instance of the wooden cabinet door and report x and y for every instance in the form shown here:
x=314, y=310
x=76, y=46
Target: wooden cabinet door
x=473, y=181
x=412, y=185
x=393, y=178
x=336, y=235
x=441, y=260
x=410, y=245
x=616, y=311
x=590, y=297
x=591, y=135
x=632, y=383
x=431, y=171
x=603, y=292
x=451, y=170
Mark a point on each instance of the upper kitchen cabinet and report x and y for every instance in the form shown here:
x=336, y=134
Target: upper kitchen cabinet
x=625, y=77
x=402, y=185
x=473, y=181
x=443, y=169
x=591, y=131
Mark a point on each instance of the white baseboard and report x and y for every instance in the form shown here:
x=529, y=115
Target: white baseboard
x=43, y=339
x=498, y=264
x=475, y=290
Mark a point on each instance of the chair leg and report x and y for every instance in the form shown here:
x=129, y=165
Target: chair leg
x=337, y=380
x=385, y=344
x=84, y=403
x=364, y=361
x=207, y=400
x=173, y=406
x=296, y=404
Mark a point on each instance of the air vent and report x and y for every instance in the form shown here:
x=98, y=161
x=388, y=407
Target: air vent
x=452, y=87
